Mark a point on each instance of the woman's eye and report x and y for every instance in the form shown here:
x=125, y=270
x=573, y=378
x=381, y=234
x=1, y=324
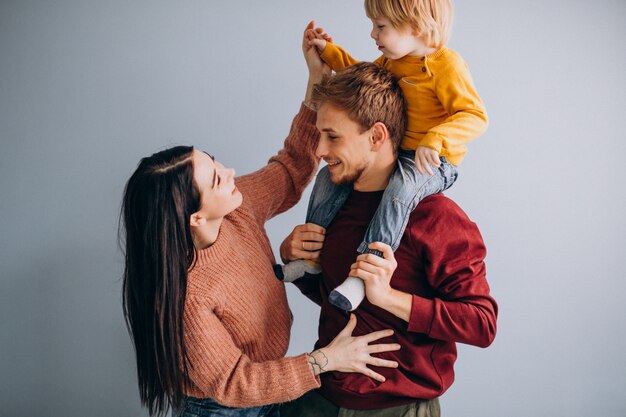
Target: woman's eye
x=380, y=27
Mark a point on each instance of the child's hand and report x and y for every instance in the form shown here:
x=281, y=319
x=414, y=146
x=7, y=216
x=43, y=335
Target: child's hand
x=316, y=37
x=317, y=67
x=426, y=157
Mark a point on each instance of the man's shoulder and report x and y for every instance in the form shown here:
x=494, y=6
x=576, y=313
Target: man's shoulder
x=438, y=202
x=438, y=219
x=436, y=208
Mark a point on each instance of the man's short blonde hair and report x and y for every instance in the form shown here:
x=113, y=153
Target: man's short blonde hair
x=431, y=18
x=368, y=93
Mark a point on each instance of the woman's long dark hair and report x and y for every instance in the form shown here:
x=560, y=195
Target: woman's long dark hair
x=155, y=233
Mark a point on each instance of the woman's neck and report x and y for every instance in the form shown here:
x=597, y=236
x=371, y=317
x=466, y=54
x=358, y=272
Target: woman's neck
x=206, y=235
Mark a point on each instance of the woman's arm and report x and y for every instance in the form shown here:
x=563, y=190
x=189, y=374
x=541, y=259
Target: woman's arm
x=279, y=185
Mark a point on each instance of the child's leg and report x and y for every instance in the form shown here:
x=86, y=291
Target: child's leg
x=407, y=187
x=326, y=199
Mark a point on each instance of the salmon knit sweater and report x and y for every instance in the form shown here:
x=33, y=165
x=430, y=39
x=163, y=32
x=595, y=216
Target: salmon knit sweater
x=237, y=320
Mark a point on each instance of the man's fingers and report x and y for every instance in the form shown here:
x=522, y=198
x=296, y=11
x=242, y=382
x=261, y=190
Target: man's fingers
x=362, y=274
x=310, y=236
x=309, y=246
x=366, y=271
x=384, y=248
x=310, y=227
x=308, y=255
x=369, y=258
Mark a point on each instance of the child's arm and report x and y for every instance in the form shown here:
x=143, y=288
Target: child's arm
x=468, y=119
x=336, y=57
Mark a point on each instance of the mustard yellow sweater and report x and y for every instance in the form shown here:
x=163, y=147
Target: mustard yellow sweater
x=444, y=109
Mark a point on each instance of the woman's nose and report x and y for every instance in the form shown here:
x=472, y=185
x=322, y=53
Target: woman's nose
x=321, y=150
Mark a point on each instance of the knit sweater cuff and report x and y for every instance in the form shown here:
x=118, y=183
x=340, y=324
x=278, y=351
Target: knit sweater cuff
x=305, y=115
x=422, y=314
x=304, y=368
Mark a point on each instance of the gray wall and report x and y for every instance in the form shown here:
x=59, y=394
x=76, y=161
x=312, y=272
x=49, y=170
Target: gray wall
x=89, y=87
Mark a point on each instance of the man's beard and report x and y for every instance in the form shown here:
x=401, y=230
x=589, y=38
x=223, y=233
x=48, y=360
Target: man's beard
x=351, y=177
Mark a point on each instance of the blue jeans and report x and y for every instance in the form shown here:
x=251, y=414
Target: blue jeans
x=206, y=407
x=406, y=188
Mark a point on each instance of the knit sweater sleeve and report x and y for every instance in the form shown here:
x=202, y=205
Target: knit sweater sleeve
x=220, y=370
x=462, y=310
x=279, y=185
x=467, y=118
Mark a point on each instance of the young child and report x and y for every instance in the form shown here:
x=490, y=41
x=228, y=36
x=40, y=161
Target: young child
x=444, y=113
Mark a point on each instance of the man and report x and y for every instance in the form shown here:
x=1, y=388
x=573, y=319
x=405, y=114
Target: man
x=432, y=291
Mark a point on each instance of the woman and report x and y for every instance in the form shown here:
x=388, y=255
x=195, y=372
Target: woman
x=209, y=321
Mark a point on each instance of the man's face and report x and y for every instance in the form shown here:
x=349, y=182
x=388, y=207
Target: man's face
x=343, y=145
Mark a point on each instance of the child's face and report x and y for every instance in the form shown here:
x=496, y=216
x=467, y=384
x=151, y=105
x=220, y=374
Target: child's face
x=396, y=43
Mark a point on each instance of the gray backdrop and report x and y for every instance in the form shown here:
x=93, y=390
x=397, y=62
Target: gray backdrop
x=89, y=87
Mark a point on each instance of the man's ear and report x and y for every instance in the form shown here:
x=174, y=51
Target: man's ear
x=197, y=220
x=379, y=135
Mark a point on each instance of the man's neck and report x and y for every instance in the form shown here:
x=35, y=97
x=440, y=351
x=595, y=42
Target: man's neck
x=377, y=176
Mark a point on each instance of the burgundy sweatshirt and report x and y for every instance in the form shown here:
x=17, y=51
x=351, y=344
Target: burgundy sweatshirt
x=440, y=262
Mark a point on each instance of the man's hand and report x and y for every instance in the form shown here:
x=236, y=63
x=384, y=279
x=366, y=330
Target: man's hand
x=426, y=157
x=304, y=242
x=376, y=272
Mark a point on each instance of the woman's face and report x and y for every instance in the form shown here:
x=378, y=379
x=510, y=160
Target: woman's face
x=216, y=184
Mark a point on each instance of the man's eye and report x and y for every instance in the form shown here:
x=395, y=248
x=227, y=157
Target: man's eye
x=332, y=137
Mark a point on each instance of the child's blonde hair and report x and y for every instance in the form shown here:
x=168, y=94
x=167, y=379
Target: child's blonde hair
x=430, y=18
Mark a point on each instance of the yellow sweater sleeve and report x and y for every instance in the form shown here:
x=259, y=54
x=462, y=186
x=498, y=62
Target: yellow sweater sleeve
x=337, y=57
x=467, y=118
